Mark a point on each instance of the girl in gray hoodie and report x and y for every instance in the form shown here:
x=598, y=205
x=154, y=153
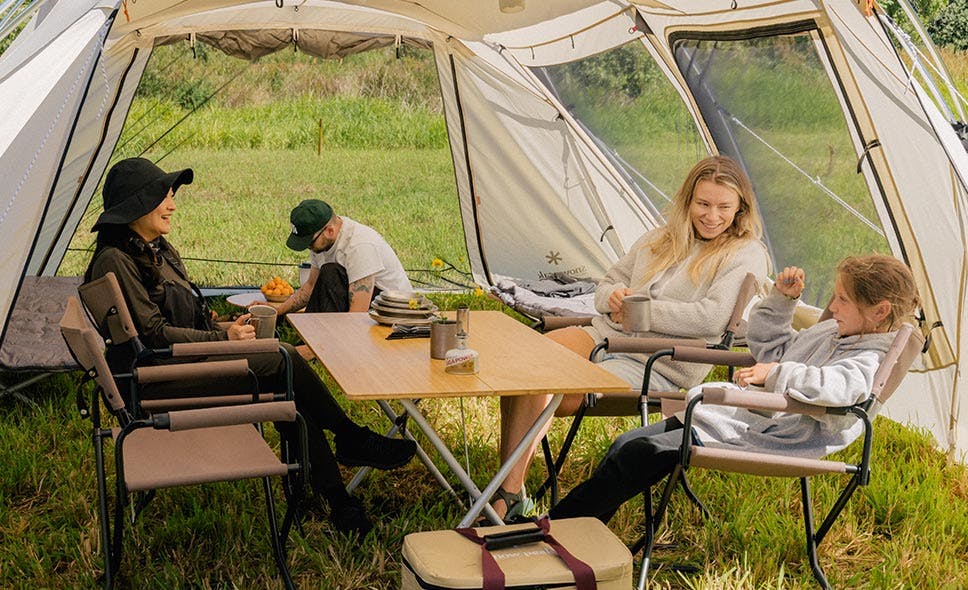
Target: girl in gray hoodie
x=829, y=364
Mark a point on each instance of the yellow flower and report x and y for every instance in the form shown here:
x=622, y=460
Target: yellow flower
x=437, y=264
x=413, y=304
x=478, y=292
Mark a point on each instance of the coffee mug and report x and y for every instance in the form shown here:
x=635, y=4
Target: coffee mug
x=636, y=313
x=263, y=320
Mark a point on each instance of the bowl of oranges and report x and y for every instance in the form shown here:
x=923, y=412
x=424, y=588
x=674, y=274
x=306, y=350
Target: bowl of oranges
x=277, y=289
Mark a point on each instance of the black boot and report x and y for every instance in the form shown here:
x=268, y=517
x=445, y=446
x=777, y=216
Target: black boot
x=363, y=447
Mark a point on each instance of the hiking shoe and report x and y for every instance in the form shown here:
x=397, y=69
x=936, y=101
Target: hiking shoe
x=367, y=448
x=349, y=517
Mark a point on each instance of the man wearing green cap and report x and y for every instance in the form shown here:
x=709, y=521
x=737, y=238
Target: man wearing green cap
x=350, y=262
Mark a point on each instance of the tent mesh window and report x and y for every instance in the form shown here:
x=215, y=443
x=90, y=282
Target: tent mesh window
x=627, y=105
x=771, y=102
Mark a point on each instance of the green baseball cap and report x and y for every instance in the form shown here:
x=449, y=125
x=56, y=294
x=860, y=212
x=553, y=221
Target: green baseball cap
x=306, y=219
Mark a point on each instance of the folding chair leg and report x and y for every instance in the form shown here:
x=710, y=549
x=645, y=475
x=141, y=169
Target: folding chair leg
x=811, y=539
x=652, y=521
x=692, y=496
x=119, y=503
x=554, y=468
x=552, y=473
x=647, y=540
x=103, y=511
x=278, y=547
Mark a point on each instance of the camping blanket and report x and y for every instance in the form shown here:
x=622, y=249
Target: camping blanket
x=513, y=294
x=33, y=340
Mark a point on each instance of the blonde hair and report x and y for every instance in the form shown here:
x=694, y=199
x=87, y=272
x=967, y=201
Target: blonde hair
x=675, y=241
x=869, y=280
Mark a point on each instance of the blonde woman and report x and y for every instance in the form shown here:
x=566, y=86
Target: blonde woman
x=690, y=271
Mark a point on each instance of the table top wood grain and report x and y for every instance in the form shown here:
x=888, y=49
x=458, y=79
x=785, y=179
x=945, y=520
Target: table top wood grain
x=514, y=360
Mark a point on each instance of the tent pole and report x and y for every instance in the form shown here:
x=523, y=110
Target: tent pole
x=933, y=52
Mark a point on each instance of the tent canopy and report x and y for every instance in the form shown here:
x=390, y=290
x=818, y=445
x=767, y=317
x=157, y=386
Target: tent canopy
x=558, y=167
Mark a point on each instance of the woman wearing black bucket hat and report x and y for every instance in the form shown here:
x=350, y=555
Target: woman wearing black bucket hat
x=168, y=308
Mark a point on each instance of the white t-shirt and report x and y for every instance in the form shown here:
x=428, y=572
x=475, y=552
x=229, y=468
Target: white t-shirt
x=363, y=252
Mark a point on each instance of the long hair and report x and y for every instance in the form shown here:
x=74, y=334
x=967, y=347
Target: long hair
x=673, y=243
x=868, y=280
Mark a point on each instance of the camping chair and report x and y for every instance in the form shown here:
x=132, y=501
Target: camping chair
x=105, y=303
x=634, y=402
x=902, y=353
x=181, y=447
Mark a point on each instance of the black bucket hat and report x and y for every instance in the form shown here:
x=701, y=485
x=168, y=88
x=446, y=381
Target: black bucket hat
x=134, y=187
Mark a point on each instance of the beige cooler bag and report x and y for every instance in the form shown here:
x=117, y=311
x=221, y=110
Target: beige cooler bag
x=524, y=554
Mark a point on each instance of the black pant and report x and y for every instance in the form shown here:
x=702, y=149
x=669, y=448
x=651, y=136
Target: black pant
x=635, y=461
x=332, y=290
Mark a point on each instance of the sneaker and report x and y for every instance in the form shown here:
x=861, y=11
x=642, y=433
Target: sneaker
x=367, y=448
x=350, y=517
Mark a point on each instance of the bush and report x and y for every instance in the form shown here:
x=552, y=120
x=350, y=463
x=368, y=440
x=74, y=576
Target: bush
x=950, y=27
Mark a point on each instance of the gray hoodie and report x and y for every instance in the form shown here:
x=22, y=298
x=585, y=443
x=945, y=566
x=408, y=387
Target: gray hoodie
x=816, y=366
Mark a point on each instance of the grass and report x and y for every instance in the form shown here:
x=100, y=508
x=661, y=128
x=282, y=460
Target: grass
x=908, y=528
x=238, y=208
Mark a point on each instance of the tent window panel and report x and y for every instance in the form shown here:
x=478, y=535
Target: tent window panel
x=628, y=106
x=770, y=103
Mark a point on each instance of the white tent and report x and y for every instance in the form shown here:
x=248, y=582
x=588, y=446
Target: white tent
x=546, y=186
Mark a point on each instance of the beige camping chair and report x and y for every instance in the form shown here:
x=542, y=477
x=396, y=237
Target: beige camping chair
x=907, y=345
x=634, y=402
x=162, y=449
x=106, y=305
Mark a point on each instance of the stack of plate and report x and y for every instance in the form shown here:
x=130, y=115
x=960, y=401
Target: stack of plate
x=407, y=308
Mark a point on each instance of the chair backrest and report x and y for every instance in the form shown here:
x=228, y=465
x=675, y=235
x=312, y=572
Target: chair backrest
x=88, y=349
x=105, y=300
x=737, y=325
x=900, y=356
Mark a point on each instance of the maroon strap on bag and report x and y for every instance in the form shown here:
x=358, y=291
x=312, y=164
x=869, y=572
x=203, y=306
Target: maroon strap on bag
x=494, y=577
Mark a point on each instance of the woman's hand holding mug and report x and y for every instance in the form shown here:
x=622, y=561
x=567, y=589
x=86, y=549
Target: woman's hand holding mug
x=615, y=303
x=241, y=330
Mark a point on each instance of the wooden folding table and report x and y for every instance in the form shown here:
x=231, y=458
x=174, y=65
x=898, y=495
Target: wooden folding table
x=514, y=360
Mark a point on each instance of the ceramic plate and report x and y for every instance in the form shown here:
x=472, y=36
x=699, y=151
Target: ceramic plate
x=400, y=296
x=246, y=299
x=402, y=312
x=422, y=303
x=389, y=321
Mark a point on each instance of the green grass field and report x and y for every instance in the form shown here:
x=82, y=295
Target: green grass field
x=909, y=528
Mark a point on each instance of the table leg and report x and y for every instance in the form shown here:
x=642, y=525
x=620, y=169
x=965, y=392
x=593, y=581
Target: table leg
x=455, y=467
x=421, y=454
x=482, y=501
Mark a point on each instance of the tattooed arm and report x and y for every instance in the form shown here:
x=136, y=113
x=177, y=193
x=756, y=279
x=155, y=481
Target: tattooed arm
x=361, y=292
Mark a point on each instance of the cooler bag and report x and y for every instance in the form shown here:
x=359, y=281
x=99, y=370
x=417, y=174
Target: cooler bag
x=572, y=553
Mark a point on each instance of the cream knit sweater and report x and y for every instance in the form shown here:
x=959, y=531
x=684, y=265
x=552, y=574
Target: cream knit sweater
x=680, y=307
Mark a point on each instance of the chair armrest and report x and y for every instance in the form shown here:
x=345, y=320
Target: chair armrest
x=282, y=411
x=554, y=322
x=207, y=370
x=650, y=345
x=759, y=400
x=712, y=356
x=225, y=347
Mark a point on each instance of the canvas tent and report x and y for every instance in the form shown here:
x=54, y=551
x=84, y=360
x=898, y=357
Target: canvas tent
x=547, y=181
